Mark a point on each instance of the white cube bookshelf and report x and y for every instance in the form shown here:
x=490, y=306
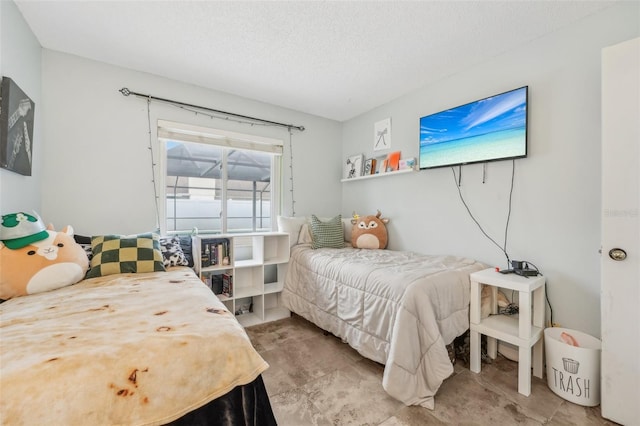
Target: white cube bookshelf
x=258, y=264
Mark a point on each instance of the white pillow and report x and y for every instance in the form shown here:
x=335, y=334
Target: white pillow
x=305, y=235
x=348, y=226
x=291, y=225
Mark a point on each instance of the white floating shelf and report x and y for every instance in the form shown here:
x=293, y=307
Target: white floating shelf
x=397, y=172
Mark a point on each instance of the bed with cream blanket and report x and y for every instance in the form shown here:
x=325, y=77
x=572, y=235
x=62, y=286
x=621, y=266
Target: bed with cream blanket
x=124, y=349
x=398, y=308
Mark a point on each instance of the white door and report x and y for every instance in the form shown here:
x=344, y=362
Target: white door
x=620, y=280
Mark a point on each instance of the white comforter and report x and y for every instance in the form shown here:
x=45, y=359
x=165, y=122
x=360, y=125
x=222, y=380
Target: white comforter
x=397, y=308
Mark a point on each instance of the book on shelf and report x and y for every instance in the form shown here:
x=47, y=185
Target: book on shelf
x=227, y=284
x=220, y=253
x=385, y=166
x=380, y=164
x=394, y=161
x=216, y=283
x=370, y=166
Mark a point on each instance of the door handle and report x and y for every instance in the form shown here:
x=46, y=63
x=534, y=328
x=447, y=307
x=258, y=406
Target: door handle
x=617, y=254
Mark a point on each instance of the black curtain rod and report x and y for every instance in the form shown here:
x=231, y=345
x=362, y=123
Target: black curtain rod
x=127, y=92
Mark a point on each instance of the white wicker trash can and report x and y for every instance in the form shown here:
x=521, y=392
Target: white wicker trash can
x=573, y=372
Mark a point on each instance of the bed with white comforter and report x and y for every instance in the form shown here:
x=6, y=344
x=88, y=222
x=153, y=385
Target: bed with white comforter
x=398, y=308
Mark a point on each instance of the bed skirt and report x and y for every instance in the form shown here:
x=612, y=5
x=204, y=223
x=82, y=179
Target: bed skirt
x=246, y=405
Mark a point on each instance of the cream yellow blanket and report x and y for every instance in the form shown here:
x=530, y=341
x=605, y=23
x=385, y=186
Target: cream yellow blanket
x=134, y=349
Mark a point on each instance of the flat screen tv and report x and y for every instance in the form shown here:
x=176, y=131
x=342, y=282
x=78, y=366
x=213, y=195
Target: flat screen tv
x=489, y=129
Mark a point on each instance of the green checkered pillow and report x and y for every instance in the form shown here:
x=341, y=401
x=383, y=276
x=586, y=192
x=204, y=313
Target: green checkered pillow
x=120, y=254
x=327, y=234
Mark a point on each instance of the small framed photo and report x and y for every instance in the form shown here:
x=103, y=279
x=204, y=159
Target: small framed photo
x=408, y=163
x=353, y=166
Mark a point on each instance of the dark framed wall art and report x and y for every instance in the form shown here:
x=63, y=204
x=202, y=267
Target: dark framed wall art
x=16, y=128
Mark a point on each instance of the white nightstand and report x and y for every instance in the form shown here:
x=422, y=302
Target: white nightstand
x=523, y=330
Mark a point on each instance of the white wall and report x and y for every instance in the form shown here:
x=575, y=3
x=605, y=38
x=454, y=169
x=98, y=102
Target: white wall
x=98, y=177
x=555, y=220
x=20, y=60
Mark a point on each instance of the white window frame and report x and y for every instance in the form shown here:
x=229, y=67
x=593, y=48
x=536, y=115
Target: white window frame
x=182, y=132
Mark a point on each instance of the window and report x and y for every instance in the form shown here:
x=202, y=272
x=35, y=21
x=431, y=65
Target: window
x=218, y=182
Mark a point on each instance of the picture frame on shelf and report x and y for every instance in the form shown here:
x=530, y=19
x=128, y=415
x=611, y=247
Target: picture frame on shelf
x=353, y=166
x=407, y=163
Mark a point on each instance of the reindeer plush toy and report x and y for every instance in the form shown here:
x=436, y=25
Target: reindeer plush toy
x=369, y=232
x=34, y=259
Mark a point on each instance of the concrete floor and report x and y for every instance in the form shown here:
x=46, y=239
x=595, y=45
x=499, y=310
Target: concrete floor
x=315, y=379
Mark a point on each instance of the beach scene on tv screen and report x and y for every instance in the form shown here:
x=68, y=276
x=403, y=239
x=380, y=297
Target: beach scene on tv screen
x=489, y=129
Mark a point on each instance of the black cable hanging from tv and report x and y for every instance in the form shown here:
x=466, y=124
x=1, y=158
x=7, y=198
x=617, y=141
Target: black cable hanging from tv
x=457, y=180
x=127, y=92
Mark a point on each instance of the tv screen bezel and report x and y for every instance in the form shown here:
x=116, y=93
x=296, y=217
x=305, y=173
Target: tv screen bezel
x=511, y=157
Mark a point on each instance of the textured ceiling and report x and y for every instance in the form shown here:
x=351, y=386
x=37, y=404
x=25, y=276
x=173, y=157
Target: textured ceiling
x=332, y=59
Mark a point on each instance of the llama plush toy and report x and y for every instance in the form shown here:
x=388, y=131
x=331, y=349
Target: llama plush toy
x=34, y=259
x=369, y=232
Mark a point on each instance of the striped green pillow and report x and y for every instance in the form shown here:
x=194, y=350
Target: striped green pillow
x=327, y=234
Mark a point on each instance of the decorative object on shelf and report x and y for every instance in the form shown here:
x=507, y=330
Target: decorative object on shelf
x=382, y=134
x=370, y=166
x=408, y=163
x=393, y=161
x=16, y=128
x=353, y=166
